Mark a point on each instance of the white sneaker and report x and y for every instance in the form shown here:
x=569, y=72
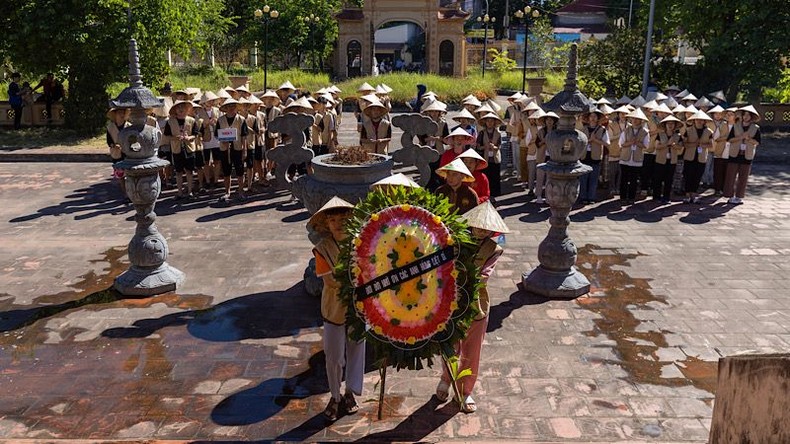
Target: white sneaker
x=733, y=200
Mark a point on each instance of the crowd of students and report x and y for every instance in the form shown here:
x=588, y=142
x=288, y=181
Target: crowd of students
x=209, y=138
x=671, y=141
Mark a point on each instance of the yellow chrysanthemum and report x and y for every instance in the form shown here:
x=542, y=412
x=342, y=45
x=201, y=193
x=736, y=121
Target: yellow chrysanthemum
x=454, y=273
x=377, y=330
x=411, y=340
x=441, y=327
x=450, y=240
x=374, y=217
x=437, y=219
x=405, y=207
x=360, y=306
x=357, y=241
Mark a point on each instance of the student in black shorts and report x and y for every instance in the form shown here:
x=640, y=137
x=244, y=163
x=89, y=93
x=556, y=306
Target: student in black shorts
x=233, y=153
x=183, y=131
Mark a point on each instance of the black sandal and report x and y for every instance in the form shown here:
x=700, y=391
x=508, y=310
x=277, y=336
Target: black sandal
x=350, y=404
x=331, y=409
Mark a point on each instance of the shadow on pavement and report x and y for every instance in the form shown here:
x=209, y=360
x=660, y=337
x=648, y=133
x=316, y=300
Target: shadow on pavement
x=247, y=317
x=85, y=203
x=501, y=311
x=15, y=319
x=418, y=425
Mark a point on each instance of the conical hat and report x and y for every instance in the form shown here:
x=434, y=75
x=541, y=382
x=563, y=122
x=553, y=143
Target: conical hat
x=271, y=95
x=189, y=105
x=460, y=132
x=672, y=88
x=703, y=102
x=229, y=89
x=679, y=109
x=486, y=217
x=719, y=95
x=699, y=115
x=312, y=100
x=223, y=94
x=537, y=114
x=380, y=90
x=651, y=105
x=516, y=96
x=464, y=114
x=252, y=100
x=531, y=106
x=671, y=102
x=657, y=96
x=374, y=104
x=689, y=97
x=691, y=109
x=164, y=110
x=458, y=166
x=623, y=109
x=471, y=100
x=319, y=217
x=495, y=106
x=112, y=110
x=682, y=94
x=669, y=119
x=663, y=108
x=335, y=89
x=491, y=116
x=287, y=85
x=472, y=154
x=483, y=109
x=603, y=101
x=625, y=100
x=243, y=101
x=398, y=179
x=552, y=114
x=436, y=105
x=301, y=102
x=322, y=91
x=365, y=87
x=716, y=109
x=750, y=109
x=637, y=102
x=430, y=95
x=637, y=114
x=606, y=109
x=242, y=88
x=208, y=96
x=386, y=88
x=369, y=98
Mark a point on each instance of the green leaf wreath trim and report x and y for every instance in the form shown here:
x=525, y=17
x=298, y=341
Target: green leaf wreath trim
x=442, y=343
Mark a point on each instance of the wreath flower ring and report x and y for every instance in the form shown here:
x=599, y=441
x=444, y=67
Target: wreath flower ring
x=408, y=277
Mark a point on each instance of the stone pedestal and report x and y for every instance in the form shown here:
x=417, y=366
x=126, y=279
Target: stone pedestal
x=557, y=276
x=237, y=81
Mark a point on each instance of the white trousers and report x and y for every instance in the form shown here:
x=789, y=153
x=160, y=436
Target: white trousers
x=514, y=146
x=341, y=351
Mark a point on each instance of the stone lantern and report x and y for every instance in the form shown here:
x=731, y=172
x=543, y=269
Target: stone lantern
x=557, y=276
x=149, y=273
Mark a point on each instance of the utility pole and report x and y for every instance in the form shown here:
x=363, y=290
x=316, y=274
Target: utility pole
x=648, y=48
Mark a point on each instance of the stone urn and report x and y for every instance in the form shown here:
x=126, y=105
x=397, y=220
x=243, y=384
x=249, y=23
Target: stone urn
x=349, y=182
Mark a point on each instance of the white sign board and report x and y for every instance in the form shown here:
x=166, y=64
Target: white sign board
x=227, y=134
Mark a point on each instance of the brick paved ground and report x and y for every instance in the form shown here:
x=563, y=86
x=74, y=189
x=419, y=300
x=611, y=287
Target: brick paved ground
x=236, y=353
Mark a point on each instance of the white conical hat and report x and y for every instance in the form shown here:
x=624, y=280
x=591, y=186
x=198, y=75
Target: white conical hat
x=623, y=109
x=678, y=109
x=436, y=105
x=637, y=114
x=719, y=95
x=537, y=114
x=301, y=102
x=703, y=102
x=689, y=97
x=223, y=94
x=603, y=101
x=398, y=179
x=458, y=166
x=663, y=108
x=691, y=109
x=750, y=109
x=495, y=106
x=208, y=96
x=241, y=88
x=270, y=95
x=682, y=94
x=606, y=109
x=335, y=89
x=669, y=119
x=374, y=104
x=672, y=88
x=517, y=95
x=228, y=102
x=380, y=90
x=464, y=114
x=483, y=109
x=637, y=102
x=320, y=216
x=369, y=98
x=491, y=116
x=671, y=102
x=472, y=154
x=386, y=88
x=651, y=105
x=716, y=109
x=699, y=115
x=460, y=132
x=365, y=87
x=531, y=106
x=486, y=217
x=471, y=100
x=287, y=85
x=254, y=100
x=553, y=115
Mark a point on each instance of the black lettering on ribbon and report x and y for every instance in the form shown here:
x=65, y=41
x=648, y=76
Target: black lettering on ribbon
x=405, y=273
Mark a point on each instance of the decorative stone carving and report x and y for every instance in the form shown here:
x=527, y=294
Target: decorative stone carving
x=292, y=126
x=418, y=155
x=149, y=273
x=557, y=276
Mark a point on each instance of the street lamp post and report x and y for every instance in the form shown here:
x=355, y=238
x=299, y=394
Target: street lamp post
x=266, y=14
x=311, y=20
x=486, y=19
x=525, y=14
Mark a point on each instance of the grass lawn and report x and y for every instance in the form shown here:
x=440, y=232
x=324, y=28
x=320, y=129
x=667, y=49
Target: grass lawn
x=42, y=137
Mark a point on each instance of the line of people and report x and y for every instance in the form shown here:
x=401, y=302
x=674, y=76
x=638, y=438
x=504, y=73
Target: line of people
x=210, y=137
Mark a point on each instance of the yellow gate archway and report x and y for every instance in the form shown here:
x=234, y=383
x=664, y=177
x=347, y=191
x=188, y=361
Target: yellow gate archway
x=357, y=27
